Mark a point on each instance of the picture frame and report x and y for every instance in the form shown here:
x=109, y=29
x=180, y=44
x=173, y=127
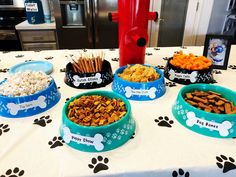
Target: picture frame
x=217, y=48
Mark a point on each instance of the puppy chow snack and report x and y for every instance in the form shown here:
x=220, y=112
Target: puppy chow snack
x=139, y=73
x=210, y=101
x=96, y=110
x=24, y=83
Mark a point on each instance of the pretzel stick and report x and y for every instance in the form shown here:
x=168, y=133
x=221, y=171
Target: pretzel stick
x=79, y=66
x=100, y=63
x=86, y=65
x=71, y=61
x=82, y=65
x=75, y=66
x=93, y=67
x=96, y=64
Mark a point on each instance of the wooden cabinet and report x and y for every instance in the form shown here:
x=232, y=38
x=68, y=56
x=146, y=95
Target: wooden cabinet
x=38, y=39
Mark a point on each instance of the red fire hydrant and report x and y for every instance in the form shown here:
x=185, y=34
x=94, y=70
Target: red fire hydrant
x=132, y=16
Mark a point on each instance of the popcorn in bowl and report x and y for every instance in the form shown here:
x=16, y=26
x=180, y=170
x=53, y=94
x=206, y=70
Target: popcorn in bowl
x=24, y=83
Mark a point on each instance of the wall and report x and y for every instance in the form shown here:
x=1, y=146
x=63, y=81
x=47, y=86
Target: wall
x=197, y=21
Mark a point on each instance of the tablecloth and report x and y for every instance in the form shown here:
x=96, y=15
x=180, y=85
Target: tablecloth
x=160, y=146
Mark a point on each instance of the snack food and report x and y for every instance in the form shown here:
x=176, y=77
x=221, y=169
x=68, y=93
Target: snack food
x=96, y=110
x=139, y=73
x=24, y=83
x=190, y=62
x=88, y=63
x=210, y=101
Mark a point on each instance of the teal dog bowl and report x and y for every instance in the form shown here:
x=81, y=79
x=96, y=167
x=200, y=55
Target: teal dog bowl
x=205, y=123
x=98, y=138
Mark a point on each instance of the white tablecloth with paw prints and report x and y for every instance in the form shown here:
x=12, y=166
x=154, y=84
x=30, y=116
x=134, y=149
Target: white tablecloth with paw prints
x=161, y=146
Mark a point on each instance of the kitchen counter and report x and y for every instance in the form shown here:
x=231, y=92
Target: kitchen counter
x=26, y=26
x=160, y=146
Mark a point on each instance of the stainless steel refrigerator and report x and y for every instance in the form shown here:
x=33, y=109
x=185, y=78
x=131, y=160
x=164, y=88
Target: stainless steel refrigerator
x=223, y=18
x=85, y=24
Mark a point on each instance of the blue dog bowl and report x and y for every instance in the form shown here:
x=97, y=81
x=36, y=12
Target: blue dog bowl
x=23, y=106
x=141, y=91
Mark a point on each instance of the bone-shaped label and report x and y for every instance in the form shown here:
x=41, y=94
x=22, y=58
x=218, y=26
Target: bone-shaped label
x=14, y=108
x=192, y=77
x=95, y=141
x=82, y=80
x=222, y=128
x=130, y=92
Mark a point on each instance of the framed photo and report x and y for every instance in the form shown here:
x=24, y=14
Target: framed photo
x=217, y=48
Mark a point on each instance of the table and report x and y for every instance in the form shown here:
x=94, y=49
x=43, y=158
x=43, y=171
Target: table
x=32, y=146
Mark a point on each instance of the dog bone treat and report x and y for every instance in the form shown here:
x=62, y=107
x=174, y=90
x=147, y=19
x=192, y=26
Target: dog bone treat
x=210, y=102
x=190, y=62
x=24, y=83
x=95, y=110
x=139, y=73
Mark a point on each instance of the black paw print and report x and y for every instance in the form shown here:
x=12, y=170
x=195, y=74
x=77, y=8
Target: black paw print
x=132, y=137
x=99, y=164
x=170, y=84
x=148, y=54
x=166, y=58
x=5, y=51
x=226, y=163
x=56, y=141
x=63, y=70
x=180, y=173
x=27, y=60
x=85, y=50
x=43, y=121
x=164, y=122
x=177, y=52
x=4, y=128
x=157, y=48
x=160, y=66
x=16, y=172
x=115, y=59
x=48, y=58
x=3, y=70
x=112, y=49
x=232, y=66
x=217, y=72
x=183, y=47
x=213, y=81
x=58, y=87
x=19, y=56
x=67, y=99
